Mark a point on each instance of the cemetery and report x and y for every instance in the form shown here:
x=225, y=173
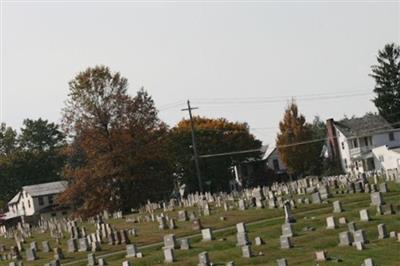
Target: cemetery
x=338, y=220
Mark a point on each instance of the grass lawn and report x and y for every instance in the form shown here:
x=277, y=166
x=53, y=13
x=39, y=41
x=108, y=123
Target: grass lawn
x=385, y=252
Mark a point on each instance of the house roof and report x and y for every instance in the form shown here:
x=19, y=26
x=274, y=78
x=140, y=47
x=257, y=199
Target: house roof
x=15, y=198
x=46, y=188
x=268, y=151
x=361, y=126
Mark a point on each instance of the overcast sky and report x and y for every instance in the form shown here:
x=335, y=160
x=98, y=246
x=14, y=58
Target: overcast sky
x=220, y=55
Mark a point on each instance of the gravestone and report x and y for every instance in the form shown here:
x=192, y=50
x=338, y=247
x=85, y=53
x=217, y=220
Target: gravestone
x=170, y=241
x=196, y=224
x=83, y=244
x=204, y=260
x=376, y=199
x=168, y=255
x=258, y=241
x=272, y=203
x=282, y=262
x=172, y=224
x=330, y=222
x=287, y=230
x=131, y=251
x=91, y=259
x=242, y=239
x=352, y=227
x=285, y=242
x=46, y=246
x=388, y=209
x=124, y=237
x=242, y=205
x=95, y=246
x=364, y=215
x=345, y=238
x=34, y=246
x=246, y=251
x=31, y=254
x=316, y=198
x=72, y=245
x=162, y=223
x=207, y=234
x=382, y=232
x=126, y=263
x=289, y=218
x=101, y=262
x=337, y=207
x=324, y=192
x=320, y=256
x=185, y=244
x=360, y=236
x=368, y=262
x=383, y=187
x=182, y=216
x=58, y=255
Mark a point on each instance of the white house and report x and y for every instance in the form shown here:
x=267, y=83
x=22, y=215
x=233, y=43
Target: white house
x=351, y=141
x=387, y=160
x=273, y=161
x=36, y=199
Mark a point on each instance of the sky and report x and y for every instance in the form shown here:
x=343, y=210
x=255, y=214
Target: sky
x=241, y=60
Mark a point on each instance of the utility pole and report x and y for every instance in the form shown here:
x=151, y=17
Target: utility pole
x=196, y=156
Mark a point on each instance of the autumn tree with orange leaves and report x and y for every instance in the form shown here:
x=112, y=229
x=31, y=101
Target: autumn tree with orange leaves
x=294, y=142
x=213, y=136
x=118, y=156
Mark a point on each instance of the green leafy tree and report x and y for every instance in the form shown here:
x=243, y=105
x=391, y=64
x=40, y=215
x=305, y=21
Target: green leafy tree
x=213, y=136
x=40, y=135
x=8, y=139
x=387, y=83
x=34, y=156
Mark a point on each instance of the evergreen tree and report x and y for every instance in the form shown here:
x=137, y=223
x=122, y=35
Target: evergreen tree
x=387, y=78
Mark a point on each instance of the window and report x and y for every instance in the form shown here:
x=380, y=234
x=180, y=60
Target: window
x=41, y=202
x=345, y=163
x=366, y=141
x=53, y=214
x=51, y=201
x=356, y=165
x=275, y=162
x=391, y=136
x=355, y=143
x=29, y=203
x=342, y=145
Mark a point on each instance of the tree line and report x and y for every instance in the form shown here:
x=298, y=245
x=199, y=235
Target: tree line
x=117, y=153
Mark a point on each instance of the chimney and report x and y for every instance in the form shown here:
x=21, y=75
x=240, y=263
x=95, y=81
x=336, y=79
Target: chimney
x=332, y=138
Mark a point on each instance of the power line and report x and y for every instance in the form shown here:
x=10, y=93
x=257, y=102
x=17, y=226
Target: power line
x=285, y=96
x=227, y=101
x=300, y=142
